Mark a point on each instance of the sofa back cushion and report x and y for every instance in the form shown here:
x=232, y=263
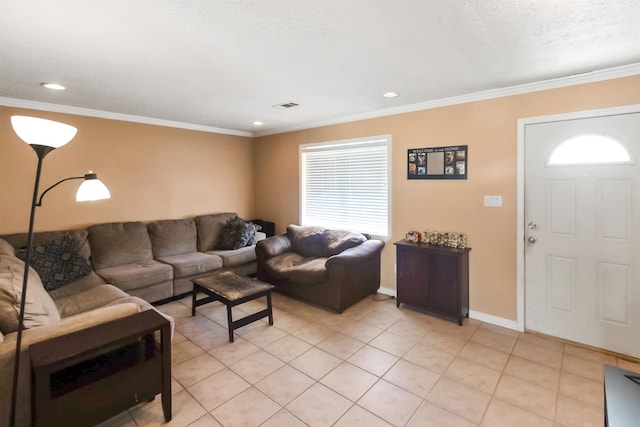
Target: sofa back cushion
x=81, y=238
x=306, y=240
x=119, y=243
x=336, y=241
x=210, y=229
x=39, y=310
x=173, y=237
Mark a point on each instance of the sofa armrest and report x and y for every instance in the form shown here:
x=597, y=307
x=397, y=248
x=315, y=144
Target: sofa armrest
x=272, y=246
x=68, y=325
x=352, y=256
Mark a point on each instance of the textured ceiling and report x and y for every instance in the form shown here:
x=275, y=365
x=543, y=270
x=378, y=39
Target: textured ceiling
x=224, y=64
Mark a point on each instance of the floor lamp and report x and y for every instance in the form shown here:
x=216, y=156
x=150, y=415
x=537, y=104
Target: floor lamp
x=44, y=136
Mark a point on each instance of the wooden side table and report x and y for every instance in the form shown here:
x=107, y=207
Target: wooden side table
x=88, y=376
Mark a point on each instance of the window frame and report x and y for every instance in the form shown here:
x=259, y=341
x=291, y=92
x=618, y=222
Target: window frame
x=379, y=140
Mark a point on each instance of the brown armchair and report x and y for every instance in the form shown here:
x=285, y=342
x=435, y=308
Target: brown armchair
x=330, y=268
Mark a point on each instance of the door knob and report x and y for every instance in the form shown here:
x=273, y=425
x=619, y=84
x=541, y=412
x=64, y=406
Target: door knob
x=532, y=239
x=532, y=225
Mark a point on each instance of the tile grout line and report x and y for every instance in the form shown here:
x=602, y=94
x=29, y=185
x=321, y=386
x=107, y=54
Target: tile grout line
x=415, y=342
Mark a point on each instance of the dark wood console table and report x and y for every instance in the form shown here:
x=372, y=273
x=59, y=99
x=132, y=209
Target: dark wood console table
x=434, y=279
x=89, y=376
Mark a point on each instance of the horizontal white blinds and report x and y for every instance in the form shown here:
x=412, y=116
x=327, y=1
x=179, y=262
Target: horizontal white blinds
x=346, y=186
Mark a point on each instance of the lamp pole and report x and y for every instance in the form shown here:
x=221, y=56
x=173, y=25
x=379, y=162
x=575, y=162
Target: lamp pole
x=41, y=151
x=44, y=136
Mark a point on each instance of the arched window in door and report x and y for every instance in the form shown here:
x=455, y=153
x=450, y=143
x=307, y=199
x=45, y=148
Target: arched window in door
x=590, y=149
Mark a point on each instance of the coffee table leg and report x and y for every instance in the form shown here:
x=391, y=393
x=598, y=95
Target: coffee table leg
x=193, y=301
x=230, y=323
x=269, y=307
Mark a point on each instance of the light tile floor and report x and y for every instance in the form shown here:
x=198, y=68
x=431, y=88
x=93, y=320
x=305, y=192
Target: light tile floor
x=373, y=365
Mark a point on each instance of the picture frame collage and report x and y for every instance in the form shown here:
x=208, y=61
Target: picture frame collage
x=448, y=162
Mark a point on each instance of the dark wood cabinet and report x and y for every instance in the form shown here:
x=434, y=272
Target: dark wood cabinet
x=434, y=279
x=88, y=376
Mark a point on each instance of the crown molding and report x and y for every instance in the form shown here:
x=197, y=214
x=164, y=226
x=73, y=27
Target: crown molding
x=56, y=108
x=590, y=77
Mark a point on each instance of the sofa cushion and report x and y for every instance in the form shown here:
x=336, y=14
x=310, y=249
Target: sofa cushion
x=57, y=262
x=173, y=237
x=294, y=267
x=236, y=257
x=336, y=241
x=193, y=263
x=39, y=307
x=89, y=299
x=137, y=275
x=89, y=281
x=210, y=229
x=306, y=240
x=237, y=233
x=119, y=243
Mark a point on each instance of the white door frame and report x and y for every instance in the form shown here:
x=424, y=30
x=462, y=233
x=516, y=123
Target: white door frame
x=520, y=234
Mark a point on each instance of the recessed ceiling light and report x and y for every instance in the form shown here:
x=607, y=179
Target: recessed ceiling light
x=390, y=94
x=54, y=86
x=257, y=123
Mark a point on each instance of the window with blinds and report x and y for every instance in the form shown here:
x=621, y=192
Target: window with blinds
x=346, y=185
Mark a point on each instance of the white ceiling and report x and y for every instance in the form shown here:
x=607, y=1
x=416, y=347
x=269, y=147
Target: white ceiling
x=222, y=64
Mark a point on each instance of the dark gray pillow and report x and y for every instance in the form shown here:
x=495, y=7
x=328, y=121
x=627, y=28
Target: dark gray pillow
x=57, y=262
x=337, y=241
x=238, y=233
x=306, y=240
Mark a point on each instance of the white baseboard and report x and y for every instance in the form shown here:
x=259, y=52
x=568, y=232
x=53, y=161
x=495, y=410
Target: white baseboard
x=483, y=317
x=494, y=320
x=387, y=291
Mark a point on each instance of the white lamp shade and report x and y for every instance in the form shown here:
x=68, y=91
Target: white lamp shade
x=36, y=131
x=92, y=189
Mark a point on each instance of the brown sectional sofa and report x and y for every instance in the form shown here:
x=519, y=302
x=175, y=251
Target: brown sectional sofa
x=130, y=265
x=330, y=268
x=156, y=261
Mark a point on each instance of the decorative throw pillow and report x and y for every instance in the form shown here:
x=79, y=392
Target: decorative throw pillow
x=238, y=233
x=252, y=239
x=39, y=308
x=337, y=241
x=57, y=262
x=306, y=240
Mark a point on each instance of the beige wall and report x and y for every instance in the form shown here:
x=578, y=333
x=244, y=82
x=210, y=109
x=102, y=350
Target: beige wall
x=153, y=172
x=489, y=128
x=156, y=172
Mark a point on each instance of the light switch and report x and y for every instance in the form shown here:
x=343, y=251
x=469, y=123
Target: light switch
x=493, y=201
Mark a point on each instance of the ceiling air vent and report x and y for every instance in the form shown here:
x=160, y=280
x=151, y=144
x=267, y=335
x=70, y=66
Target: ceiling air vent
x=286, y=105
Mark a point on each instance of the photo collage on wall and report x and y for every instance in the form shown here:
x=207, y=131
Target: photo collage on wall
x=437, y=163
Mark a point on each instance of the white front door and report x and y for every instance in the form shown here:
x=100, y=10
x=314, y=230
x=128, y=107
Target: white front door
x=582, y=237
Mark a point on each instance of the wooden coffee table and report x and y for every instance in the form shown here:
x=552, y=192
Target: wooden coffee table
x=232, y=289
